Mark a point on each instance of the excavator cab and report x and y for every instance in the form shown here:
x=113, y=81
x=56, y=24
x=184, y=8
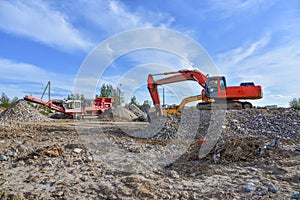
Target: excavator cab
x=215, y=87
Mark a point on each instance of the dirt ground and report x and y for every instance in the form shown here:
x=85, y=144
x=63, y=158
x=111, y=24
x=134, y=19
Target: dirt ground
x=61, y=159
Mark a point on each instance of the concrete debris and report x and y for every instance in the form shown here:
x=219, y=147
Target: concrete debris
x=270, y=146
x=22, y=112
x=250, y=187
x=118, y=114
x=274, y=122
x=3, y=158
x=77, y=150
x=272, y=188
x=263, y=192
x=168, y=130
x=142, y=116
x=296, y=196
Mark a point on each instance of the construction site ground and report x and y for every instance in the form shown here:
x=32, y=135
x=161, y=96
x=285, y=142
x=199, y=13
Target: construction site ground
x=89, y=159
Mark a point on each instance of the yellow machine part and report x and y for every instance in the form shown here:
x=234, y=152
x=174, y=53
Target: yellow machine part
x=176, y=109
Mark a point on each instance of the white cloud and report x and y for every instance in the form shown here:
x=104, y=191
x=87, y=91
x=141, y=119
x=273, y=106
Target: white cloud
x=112, y=16
x=39, y=22
x=229, y=8
x=73, y=26
x=19, y=79
x=232, y=57
x=276, y=69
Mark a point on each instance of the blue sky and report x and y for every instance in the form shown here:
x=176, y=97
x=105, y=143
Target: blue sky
x=248, y=40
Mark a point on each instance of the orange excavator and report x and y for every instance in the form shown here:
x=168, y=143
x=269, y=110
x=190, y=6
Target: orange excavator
x=215, y=92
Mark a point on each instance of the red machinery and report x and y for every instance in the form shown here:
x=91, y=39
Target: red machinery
x=214, y=92
x=75, y=108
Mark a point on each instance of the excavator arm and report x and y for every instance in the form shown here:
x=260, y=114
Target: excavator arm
x=178, y=76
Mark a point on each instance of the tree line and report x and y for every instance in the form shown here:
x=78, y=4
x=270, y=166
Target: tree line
x=295, y=103
x=6, y=102
x=106, y=90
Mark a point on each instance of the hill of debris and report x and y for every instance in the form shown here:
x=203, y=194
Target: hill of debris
x=123, y=114
x=22, y=112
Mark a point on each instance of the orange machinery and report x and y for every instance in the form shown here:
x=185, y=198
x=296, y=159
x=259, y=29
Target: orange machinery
x=214, y=92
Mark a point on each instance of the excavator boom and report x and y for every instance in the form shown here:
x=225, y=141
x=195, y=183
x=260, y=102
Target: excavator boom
x=178, y=76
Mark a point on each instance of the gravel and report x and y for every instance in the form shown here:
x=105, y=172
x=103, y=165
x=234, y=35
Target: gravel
x=22, y=112
x=274, y=122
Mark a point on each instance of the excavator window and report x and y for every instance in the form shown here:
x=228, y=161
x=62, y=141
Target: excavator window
x=213, y=85
x=77, y=105
x=222, y=84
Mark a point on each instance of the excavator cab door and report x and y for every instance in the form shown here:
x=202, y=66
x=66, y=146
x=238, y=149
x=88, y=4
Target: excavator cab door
x=216, y=87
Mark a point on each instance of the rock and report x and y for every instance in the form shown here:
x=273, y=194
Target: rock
x=142, y=116
x=60, y=193
x=250, y=187
x=296, y=196
x=272, y=187
x=3, y=158
x=77, y=150
x=48, y=163
x=173, y=174
x=216, y=157
x=118, y=114
x=252, y=169
x=263, y=192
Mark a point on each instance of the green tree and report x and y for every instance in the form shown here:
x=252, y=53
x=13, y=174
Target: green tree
x=117, y=95
x=15, y=99
x=4, y=101
x=133, y=101
x=107, y=90
x=295, y=103
x=4, y=98
x=104, y=91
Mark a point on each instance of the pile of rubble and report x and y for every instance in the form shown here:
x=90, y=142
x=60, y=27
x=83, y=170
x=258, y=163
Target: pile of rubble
x=283, y=123
x=118, y=114
x=236, y=135
x=128, y=113
x=267, y=122
x=142, y=116
x=1, y=109
x=22, y=112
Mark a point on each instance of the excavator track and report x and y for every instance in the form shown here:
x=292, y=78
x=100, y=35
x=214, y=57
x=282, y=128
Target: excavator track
x=228, y=105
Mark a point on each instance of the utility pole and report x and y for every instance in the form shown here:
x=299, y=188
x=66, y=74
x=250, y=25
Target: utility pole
x=119, y=89
x=47, y=86
x=163, y=96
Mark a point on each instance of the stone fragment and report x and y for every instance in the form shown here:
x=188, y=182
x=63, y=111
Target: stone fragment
x=250, y=187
